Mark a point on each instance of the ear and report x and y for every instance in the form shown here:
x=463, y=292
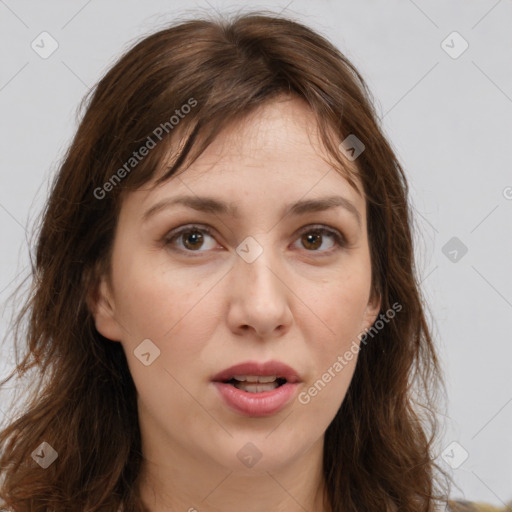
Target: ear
x=371, y=311
x=102, y=307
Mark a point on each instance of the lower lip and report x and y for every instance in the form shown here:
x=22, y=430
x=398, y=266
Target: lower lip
x=265, y=403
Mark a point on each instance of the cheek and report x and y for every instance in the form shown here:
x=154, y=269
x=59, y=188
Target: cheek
x=334, y=332
x=175, y=310
x=156, y=302
x=340, y=306
x=335, y=358
x=335, y=353
x=320, y=400
x=170, y=310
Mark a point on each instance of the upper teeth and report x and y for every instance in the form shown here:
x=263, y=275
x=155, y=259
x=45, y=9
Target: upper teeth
x=255, y=378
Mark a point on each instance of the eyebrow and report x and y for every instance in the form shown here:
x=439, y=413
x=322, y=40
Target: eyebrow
x=214, y=206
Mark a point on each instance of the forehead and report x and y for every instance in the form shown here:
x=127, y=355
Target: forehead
x=283, y=125
x=274, y=154
x=281, y=135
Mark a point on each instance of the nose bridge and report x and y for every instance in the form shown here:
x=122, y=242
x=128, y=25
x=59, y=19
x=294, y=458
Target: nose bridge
x=258, y=295
x=258, y=265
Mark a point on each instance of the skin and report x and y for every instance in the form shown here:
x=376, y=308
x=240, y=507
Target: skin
x=303, y=301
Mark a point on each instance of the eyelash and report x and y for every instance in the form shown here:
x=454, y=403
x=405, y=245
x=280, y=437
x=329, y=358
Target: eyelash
x=340, y=241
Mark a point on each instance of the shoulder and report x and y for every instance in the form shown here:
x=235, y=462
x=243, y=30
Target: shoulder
x=470, y=506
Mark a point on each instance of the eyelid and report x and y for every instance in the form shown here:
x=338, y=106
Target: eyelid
x=175, y=233
x=339, y=238
x=322, y=228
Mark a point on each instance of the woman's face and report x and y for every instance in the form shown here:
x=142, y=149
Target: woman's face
x=264, y=284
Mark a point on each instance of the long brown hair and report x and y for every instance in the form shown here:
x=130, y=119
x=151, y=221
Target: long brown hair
x=378, y=449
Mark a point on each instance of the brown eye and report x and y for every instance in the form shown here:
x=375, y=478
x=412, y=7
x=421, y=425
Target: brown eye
x=193, y=239
x=312, y=241
x=313, y=238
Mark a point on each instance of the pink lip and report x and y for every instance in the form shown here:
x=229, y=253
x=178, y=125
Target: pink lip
x=258, y=404
x=260, y=369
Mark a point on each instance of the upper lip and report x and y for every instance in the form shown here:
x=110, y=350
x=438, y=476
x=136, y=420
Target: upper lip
x=277, y=368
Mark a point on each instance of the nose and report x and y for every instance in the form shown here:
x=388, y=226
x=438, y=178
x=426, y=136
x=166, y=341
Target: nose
x=259, y=297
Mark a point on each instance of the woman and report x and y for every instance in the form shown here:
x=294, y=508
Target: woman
x=225, y=311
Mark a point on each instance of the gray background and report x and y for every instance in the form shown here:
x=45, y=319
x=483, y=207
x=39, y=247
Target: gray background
x=449, y=120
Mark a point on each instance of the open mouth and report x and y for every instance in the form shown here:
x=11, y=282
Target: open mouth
x=256, y=384
x=257, y=389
